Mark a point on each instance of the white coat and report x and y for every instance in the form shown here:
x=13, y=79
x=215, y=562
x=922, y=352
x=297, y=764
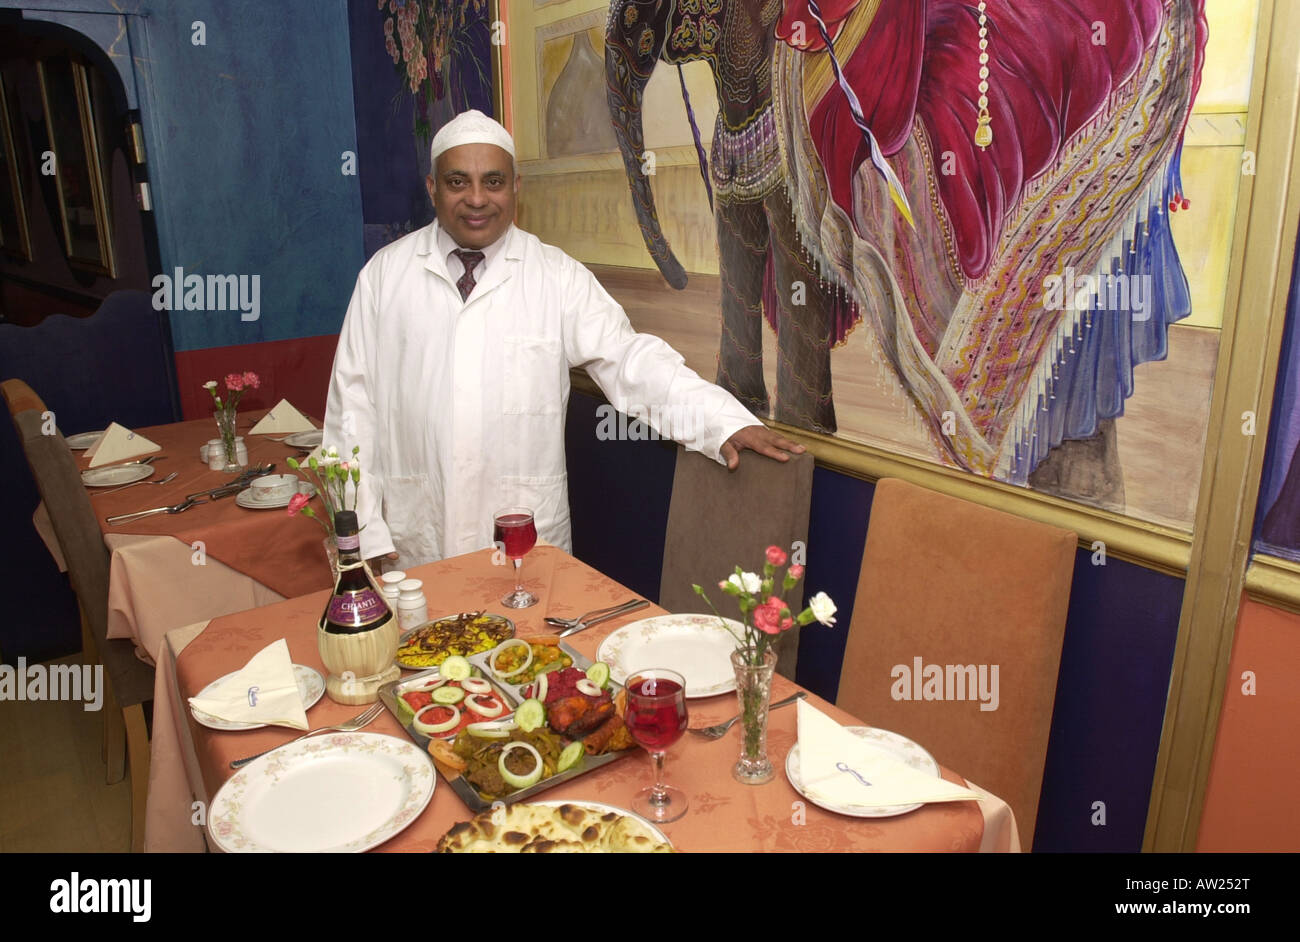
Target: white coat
x=459, y=407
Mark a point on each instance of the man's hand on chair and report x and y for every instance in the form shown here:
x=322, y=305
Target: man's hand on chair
x=761, y=439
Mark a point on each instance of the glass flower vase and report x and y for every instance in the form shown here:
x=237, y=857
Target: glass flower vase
x=332, y=554
x=754, y=691
x=226, y=430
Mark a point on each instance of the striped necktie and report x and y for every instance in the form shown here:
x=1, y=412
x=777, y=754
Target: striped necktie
x=470, y=260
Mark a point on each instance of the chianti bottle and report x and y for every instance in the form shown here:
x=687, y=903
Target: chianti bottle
x=357, y=603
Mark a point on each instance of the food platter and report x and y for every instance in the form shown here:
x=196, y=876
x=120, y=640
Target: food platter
x=552, y=827
x=429, y=644
x=461, y=758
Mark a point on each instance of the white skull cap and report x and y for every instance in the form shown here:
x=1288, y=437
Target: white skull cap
x=470, y=127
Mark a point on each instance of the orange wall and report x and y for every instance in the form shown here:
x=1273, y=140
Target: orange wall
x=1250, y=800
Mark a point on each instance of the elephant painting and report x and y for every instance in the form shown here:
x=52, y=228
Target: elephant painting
x=985, y=186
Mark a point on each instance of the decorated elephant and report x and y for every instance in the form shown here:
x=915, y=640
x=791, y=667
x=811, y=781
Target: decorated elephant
x=929, y=167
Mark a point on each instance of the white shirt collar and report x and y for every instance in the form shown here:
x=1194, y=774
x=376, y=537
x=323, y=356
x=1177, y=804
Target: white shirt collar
x=447, y=245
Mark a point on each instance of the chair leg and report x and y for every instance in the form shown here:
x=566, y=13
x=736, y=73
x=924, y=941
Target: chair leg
x=114, y=737
x=137, y=747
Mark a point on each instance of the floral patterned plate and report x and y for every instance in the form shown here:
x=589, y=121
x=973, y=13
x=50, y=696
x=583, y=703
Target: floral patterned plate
x=900, y=747
x=696, y=646
x=340, y=792
x=311, y=687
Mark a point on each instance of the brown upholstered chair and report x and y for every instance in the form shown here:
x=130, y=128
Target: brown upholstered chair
x=720, y=519
x=949, y=582
x=129, y=681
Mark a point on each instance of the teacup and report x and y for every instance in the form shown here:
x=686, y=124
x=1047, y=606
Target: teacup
x=275, y=487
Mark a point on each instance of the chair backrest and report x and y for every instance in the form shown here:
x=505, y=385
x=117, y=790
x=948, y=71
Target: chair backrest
x=20, y=397
x=720, y=519
x=956, y=636
x=71, y=515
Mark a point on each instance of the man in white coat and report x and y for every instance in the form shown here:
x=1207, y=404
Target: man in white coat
x=452, y=369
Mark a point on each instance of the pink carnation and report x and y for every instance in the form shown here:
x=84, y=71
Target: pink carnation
x=776, y=556
x=297, y=502
x=234, y=382
x=251, y=380
x=767, y=617
x=796, y=571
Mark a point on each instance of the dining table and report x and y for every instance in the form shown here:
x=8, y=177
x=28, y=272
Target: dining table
x=191, y=762
x=216, y=557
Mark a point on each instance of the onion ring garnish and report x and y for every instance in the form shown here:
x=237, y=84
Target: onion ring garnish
x=492, y=659
x=476, y=685
x=491, y=730
x=494, y=706
x=431, y=728
x=587, y=687
x=520, y=781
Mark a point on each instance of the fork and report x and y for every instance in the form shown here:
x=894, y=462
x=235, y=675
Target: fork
x=602, y=613
x=123, y=487
x=717, y=732
x=363, y=718
x=184, y=505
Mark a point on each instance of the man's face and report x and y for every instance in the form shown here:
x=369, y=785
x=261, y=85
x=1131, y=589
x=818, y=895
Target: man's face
x=473, y=188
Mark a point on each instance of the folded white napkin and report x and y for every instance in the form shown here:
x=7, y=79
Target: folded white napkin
x=824, y=744
x=118, y=443
x=263, y=691
x=283, y=418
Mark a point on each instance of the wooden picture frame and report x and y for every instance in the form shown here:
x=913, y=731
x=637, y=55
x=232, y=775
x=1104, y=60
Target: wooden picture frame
x=15, y=238
x=79, y=177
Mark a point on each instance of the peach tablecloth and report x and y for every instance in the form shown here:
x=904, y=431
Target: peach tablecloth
x=190, y=762
x=159, y=581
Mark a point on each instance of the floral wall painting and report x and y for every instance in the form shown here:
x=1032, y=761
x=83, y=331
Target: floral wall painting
x=955, y=230
x=416, y=64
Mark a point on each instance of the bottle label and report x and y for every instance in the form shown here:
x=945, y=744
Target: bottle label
x=346, y=543
x=357, y=608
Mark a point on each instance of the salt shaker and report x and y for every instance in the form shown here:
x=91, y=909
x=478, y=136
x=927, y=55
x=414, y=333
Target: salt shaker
x=412, y=607
x=388, y=583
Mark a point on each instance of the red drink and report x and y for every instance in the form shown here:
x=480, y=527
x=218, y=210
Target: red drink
x=517, y=533
x=656, y=712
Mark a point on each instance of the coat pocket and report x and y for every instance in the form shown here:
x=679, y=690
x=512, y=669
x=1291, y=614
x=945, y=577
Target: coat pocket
x=533, y=384
x=548, y=498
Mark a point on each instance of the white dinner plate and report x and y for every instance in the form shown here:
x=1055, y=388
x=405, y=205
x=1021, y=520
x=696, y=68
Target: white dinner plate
x=310, y=439
x=311, y=687
x=334, y=793
x=116, y=474
x=82, y=440
x=246, y=499
x=696, y=646
x=900, y=747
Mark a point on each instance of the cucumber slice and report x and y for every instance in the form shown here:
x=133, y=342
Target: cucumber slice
x=455, y=668
x=530, y=715
x=598, y=674
x=570, y=756
x=448, y=695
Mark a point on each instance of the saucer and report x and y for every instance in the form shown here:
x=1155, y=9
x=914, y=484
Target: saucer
x=82, y=441
x=246, y=499
x=116, y=474
x=306, y=439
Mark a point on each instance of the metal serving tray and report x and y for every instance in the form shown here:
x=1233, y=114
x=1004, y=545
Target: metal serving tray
x=389, y=693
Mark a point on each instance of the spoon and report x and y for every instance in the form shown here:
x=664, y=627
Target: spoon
x=134, y=483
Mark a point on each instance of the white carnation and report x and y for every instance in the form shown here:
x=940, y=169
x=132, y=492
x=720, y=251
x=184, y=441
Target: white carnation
x=823, y=608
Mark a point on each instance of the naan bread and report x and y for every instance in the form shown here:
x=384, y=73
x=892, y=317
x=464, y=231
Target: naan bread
x=539, y=829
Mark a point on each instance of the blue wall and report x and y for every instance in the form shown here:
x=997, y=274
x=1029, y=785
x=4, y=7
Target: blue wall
x=1115, y=661
x=244, y=139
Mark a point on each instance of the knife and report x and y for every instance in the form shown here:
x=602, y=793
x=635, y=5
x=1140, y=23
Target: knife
x=174, y=509
x=617, y=613
x=238, y=484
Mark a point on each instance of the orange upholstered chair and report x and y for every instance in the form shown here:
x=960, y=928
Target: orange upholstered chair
x=950, y=589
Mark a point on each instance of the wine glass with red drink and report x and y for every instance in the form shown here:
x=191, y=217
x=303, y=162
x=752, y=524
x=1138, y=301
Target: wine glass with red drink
x=656, y=718
x=515, y=533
